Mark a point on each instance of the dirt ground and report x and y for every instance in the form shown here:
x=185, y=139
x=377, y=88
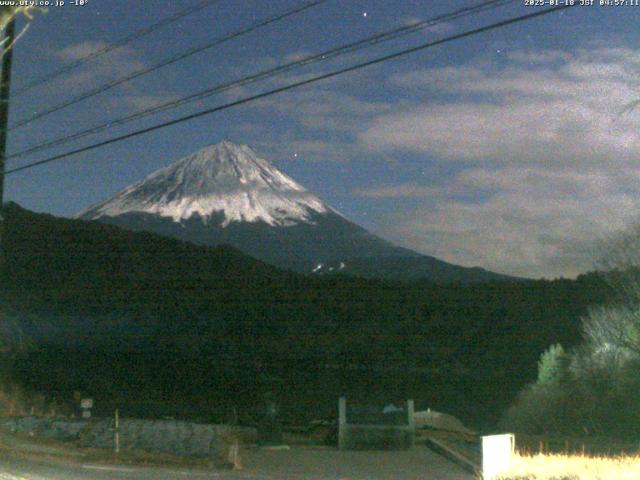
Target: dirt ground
x=307, y=463
x=23, y=457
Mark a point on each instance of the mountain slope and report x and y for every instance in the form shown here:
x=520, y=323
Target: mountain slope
x=226, y=194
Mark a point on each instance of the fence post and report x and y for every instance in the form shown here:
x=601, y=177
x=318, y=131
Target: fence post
x=411, y=421
x=342, y=422
x=116, y=432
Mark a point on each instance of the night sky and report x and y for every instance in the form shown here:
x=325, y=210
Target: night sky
x=515, y=150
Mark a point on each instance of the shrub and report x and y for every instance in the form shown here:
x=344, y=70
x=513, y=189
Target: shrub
x=554, y=367
x=549, y=405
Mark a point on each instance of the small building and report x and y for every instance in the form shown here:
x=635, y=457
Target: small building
x=388, y=427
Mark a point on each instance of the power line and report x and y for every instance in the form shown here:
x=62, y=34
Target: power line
x=264, y=74
x=292, y=86
x=181, y=56
x=119, y=43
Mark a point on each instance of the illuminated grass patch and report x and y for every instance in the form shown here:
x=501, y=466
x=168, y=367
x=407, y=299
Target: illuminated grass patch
x=573, y=467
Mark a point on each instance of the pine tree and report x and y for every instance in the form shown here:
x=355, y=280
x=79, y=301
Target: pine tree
x=553, y=366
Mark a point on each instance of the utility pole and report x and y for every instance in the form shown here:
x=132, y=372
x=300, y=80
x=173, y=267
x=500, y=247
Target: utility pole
x=5, y=89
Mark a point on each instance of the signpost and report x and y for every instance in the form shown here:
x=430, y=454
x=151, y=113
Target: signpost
x=270, y=429
x=86, y=404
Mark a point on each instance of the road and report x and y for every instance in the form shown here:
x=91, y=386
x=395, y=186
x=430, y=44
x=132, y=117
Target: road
x=37, y=470
x=296, y=464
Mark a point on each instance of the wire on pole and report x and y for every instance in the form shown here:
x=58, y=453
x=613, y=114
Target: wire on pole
x=117, y=44
x=169, y=61
x=292, y=86
x=269, y=73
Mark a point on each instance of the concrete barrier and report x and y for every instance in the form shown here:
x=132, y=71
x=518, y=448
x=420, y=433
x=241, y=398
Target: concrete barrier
x=497, y=451
x=63, y=430
x=160, y=436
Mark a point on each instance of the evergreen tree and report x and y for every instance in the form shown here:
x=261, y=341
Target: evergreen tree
x=554, y=366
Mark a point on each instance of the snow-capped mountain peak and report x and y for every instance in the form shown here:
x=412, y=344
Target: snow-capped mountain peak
x=226, y=179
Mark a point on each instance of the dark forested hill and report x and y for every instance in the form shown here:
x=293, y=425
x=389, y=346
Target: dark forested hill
x=162, y=327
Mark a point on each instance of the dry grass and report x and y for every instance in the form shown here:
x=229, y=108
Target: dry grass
x=573, y=467
x=15, y=402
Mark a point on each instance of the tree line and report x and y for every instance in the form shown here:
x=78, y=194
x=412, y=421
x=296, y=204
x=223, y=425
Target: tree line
x=161, y=327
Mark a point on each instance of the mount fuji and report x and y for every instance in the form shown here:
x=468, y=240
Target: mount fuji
x=226, y=194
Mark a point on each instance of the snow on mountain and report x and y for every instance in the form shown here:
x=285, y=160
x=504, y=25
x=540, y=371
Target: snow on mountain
x=223, y=178
x=226, y=194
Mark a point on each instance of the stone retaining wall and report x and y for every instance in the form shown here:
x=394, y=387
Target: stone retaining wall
x=161, y=436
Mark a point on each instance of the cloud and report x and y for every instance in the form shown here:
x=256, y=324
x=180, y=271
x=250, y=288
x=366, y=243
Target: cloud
x=80, y=50
x=537, y=154
x=544, y=145
x=308, y=149
x=547, y=56
x=521, y=113
x=437, y=28
x=329, y=118
x=530, y=222
x=145, y=102
x=327, y=110
x=405, y=190
x=117, y=63
x=115, y=58
x=319, y=109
